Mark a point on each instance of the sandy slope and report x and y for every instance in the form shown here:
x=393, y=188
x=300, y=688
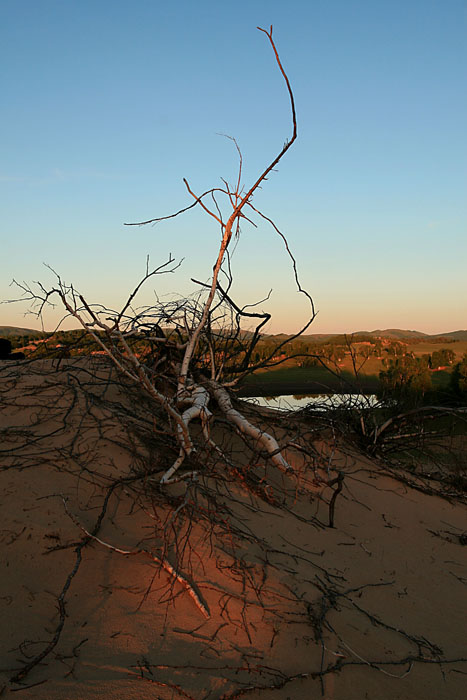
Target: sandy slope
x=288, y=597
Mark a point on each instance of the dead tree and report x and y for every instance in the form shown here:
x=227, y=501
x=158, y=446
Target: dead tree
x=202, y=350
x=177, y=363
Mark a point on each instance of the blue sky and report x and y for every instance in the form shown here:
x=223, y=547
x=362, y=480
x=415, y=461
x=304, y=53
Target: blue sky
x=108, y=104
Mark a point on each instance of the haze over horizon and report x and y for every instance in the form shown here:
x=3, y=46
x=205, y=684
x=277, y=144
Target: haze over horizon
x=108, y=105
x=309, y=332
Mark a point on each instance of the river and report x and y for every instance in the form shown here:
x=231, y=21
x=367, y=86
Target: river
x=319, y=402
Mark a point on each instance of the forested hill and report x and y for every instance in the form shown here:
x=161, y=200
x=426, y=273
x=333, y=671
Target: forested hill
x=392, y=333
x=399, y=334
x=5, y=331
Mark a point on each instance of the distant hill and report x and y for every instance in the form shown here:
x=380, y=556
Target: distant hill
x=457, y=335
x=396, y=333
x=399, y=334
x=393, y=333
x=5, y=331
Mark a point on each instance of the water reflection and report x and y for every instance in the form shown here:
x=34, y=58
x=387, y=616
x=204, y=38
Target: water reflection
x=319, y=402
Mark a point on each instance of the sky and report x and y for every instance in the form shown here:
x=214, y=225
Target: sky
x=108, y=104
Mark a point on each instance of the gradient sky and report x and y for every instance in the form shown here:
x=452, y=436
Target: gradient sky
x=108, y=104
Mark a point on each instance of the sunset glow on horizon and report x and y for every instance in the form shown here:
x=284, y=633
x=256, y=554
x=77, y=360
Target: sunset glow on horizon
x=107, y=106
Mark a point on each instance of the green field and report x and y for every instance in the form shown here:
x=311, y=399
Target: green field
x=306, y=380
x=353, y=375
x=290, y=379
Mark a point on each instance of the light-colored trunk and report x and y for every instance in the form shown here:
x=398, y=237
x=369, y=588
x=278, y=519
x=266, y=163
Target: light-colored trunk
x=199, y=399
x=261, y=439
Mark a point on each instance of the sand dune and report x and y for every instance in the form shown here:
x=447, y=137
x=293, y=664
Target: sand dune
x=269, y=601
